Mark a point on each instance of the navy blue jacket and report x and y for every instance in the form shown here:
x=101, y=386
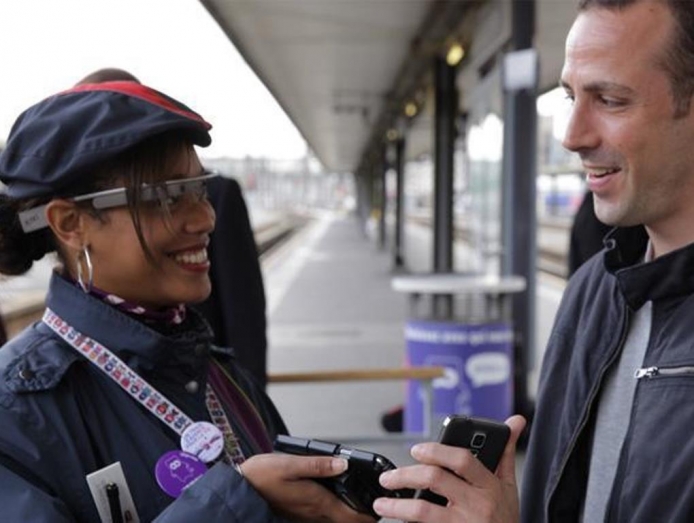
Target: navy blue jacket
x=654, y=479
x=61, y=418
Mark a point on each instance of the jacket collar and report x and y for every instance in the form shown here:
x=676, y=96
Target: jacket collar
x=667, y=276
x=139, y=346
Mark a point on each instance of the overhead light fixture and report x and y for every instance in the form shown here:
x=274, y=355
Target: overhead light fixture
x=455, y=54
x=411, y=109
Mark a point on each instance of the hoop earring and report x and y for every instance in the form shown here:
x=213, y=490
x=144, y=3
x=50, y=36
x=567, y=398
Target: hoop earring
x=90, y=270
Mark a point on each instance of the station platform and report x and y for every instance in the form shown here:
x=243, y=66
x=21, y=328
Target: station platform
x=331, y=306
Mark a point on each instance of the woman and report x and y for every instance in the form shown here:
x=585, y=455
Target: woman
x=120, y=374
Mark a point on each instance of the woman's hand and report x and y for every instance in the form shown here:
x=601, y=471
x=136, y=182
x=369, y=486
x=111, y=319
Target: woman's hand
x=474, y=494
x=283, y=481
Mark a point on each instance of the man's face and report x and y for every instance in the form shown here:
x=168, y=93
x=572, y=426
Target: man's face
x=639, y=158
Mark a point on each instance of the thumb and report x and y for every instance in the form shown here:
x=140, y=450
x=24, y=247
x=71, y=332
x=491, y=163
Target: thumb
x=507, y=466
x=318, y=466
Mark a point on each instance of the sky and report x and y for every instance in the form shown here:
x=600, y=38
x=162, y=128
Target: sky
x=172, y=45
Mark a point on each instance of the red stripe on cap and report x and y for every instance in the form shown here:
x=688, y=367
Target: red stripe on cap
x=144, y=93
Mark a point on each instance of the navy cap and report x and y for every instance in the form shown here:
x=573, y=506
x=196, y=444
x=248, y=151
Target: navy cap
x=57, y=141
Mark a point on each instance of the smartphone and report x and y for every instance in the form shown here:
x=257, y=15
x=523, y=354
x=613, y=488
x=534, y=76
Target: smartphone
x=485, y=438
x=358, y=486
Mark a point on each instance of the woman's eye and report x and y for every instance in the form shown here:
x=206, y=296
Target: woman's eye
x=201, y=193
x=176, y=196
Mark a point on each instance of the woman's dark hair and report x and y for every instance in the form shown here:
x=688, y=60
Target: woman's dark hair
x=18, y=250
x=148, y=162
x=678, y=61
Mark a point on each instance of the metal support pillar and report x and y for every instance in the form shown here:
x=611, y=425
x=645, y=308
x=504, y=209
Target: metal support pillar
x=399, y=164
x=519, y=200
x=380, y=170
x=446, y=100
x=362, y=200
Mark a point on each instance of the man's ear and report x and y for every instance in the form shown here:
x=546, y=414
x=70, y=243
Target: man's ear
x=67, y=222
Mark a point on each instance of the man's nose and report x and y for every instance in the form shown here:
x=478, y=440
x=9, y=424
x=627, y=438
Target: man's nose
x=581, y=132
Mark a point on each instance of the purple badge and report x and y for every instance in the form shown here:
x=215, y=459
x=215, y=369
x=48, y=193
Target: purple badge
x=176, y=470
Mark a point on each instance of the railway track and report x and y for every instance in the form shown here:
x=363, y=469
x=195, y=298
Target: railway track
x=552, y=242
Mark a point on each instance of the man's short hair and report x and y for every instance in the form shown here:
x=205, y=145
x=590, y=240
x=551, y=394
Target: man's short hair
x=678, y=61
x=108, y=74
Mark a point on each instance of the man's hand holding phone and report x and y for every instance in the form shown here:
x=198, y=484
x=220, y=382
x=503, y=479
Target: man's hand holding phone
x=474, y=494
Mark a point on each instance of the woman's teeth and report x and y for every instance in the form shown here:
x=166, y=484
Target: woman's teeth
x=191, y=257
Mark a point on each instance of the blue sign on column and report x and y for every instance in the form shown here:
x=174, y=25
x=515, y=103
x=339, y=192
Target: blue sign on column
x=478, y=379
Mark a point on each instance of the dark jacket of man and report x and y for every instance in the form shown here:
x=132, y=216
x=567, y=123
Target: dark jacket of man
x=654, y=480
x=236, y=307
x=3, y=333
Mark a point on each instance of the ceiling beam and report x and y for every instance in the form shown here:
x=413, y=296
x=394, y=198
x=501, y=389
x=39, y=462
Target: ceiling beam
x=439, y=28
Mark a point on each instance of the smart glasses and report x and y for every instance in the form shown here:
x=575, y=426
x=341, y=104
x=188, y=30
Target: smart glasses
x=167, y=194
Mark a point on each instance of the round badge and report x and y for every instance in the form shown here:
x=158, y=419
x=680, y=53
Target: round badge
x=177, y=470
x=204, y=440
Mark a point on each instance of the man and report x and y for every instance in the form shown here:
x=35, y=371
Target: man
x=236, y=307
x=612, y=435
x=3, y=334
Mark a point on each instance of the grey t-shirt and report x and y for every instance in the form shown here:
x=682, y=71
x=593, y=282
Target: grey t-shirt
x=614, y=412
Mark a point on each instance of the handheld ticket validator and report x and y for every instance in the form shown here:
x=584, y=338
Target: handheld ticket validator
x=358, y=486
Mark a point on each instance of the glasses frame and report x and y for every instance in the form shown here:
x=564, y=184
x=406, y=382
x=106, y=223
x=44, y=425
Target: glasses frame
x=34, y=219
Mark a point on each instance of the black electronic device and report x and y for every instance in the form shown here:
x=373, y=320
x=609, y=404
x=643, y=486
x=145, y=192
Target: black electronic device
x=486, y=440
x=358, y=486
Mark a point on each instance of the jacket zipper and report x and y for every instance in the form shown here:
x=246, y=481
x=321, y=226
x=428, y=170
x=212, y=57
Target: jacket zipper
x=584, y=416
x=652, y=372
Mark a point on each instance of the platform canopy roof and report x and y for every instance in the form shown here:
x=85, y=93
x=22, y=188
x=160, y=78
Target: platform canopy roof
x=344, y=70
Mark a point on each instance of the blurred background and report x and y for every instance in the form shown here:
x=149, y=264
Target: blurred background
x=328, y=113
